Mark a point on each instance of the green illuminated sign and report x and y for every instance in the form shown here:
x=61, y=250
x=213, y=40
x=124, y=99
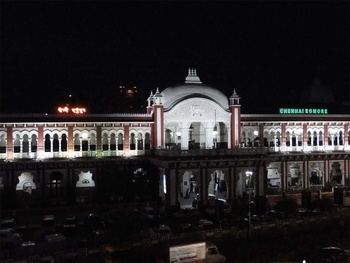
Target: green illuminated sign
x=303, y=111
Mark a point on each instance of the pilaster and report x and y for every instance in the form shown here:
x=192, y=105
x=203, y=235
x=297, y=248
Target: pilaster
x=9, y=146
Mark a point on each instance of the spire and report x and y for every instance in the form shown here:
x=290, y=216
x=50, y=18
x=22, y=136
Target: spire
x=192, y=77
x=158, y=97
x=150, y=99
x=234, y=99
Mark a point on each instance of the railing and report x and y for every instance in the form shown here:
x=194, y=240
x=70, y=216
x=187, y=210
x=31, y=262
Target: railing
x=207, y=152
x=179, y=152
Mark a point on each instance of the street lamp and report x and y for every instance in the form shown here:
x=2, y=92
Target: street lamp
x=249, y=175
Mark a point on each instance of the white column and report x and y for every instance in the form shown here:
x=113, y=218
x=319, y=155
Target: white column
x=229, y=138
x=59, y=145
x=208, y=138
x=332, y=138
x=29, y=146
x=297, y=142
x=337, y=139
x=51, y=145
x=108, y=143
x=21, y=146
x=184, y=138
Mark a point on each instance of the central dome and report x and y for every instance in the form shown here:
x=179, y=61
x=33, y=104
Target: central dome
x=192, y=88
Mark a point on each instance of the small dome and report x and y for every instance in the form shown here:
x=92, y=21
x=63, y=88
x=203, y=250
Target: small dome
x=190, y=89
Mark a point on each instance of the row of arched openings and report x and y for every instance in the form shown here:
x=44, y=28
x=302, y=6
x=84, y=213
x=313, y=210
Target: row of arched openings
x=29, y=144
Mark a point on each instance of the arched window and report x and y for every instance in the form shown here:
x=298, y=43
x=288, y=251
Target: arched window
x=105, y=142
x=147, y=141
x=92, y=142
x=278, y=139
x=168, y=138
x=120, y=142
x=320, y=138
x=55, y=143
x=309, y=138
x=300, y=140
x=64, y=143
x=132, y=142
x=16, y=144
x=288, y=139
x=341, y=142
x=314, y=139
x=266, y=139
x=34, y=143
x=47, y=143
x=54, y=185
x=2, y=144
x=113, y=143
x=139, y=142
x=25, y=144
x=77, y=143
x=271, y=139
x=330, y=139
x=293, y=139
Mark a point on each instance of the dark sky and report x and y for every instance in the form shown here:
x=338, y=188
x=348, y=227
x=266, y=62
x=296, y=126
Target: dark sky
x=269, y=51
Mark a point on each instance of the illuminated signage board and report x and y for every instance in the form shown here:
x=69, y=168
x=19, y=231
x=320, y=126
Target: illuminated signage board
x=75, y=110
x=303, y=111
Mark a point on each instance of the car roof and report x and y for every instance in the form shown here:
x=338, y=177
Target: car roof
x=331, y=248
x=7, y=230
x=6, y=220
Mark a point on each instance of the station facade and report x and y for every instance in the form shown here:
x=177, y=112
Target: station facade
x=192, y=136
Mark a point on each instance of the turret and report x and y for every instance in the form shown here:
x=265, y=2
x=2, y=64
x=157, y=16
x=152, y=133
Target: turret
x=235, y=108
x=234, y=99
x=157, y=98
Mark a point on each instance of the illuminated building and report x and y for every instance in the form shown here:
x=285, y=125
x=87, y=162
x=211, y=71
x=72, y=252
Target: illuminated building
x=196, y=138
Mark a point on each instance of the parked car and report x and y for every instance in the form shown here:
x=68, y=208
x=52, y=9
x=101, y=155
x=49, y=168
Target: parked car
x=7, y=223
x=330, y=254
x=70, y=226
x=164, y=231
x=9, y=238
x=181, y=228
x=149, y=212
x=205, y=225
x=93, y=223
x=48, y=226
x=48, y=221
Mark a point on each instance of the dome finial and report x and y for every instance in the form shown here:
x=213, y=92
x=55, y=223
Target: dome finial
x=192, y=76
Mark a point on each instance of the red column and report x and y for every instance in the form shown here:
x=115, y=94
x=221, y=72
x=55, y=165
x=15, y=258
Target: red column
x=9, y=146
x=305, y=138
x=158, y=127
x=126, y=141
x=235, y=126
x=325, y=137
x=261, y=134
x=40, y=149
x=284, y=139
x=99, y=141
x=70, y=145
x=346, y=134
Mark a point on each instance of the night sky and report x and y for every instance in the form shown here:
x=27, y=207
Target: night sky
x=271, y=52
